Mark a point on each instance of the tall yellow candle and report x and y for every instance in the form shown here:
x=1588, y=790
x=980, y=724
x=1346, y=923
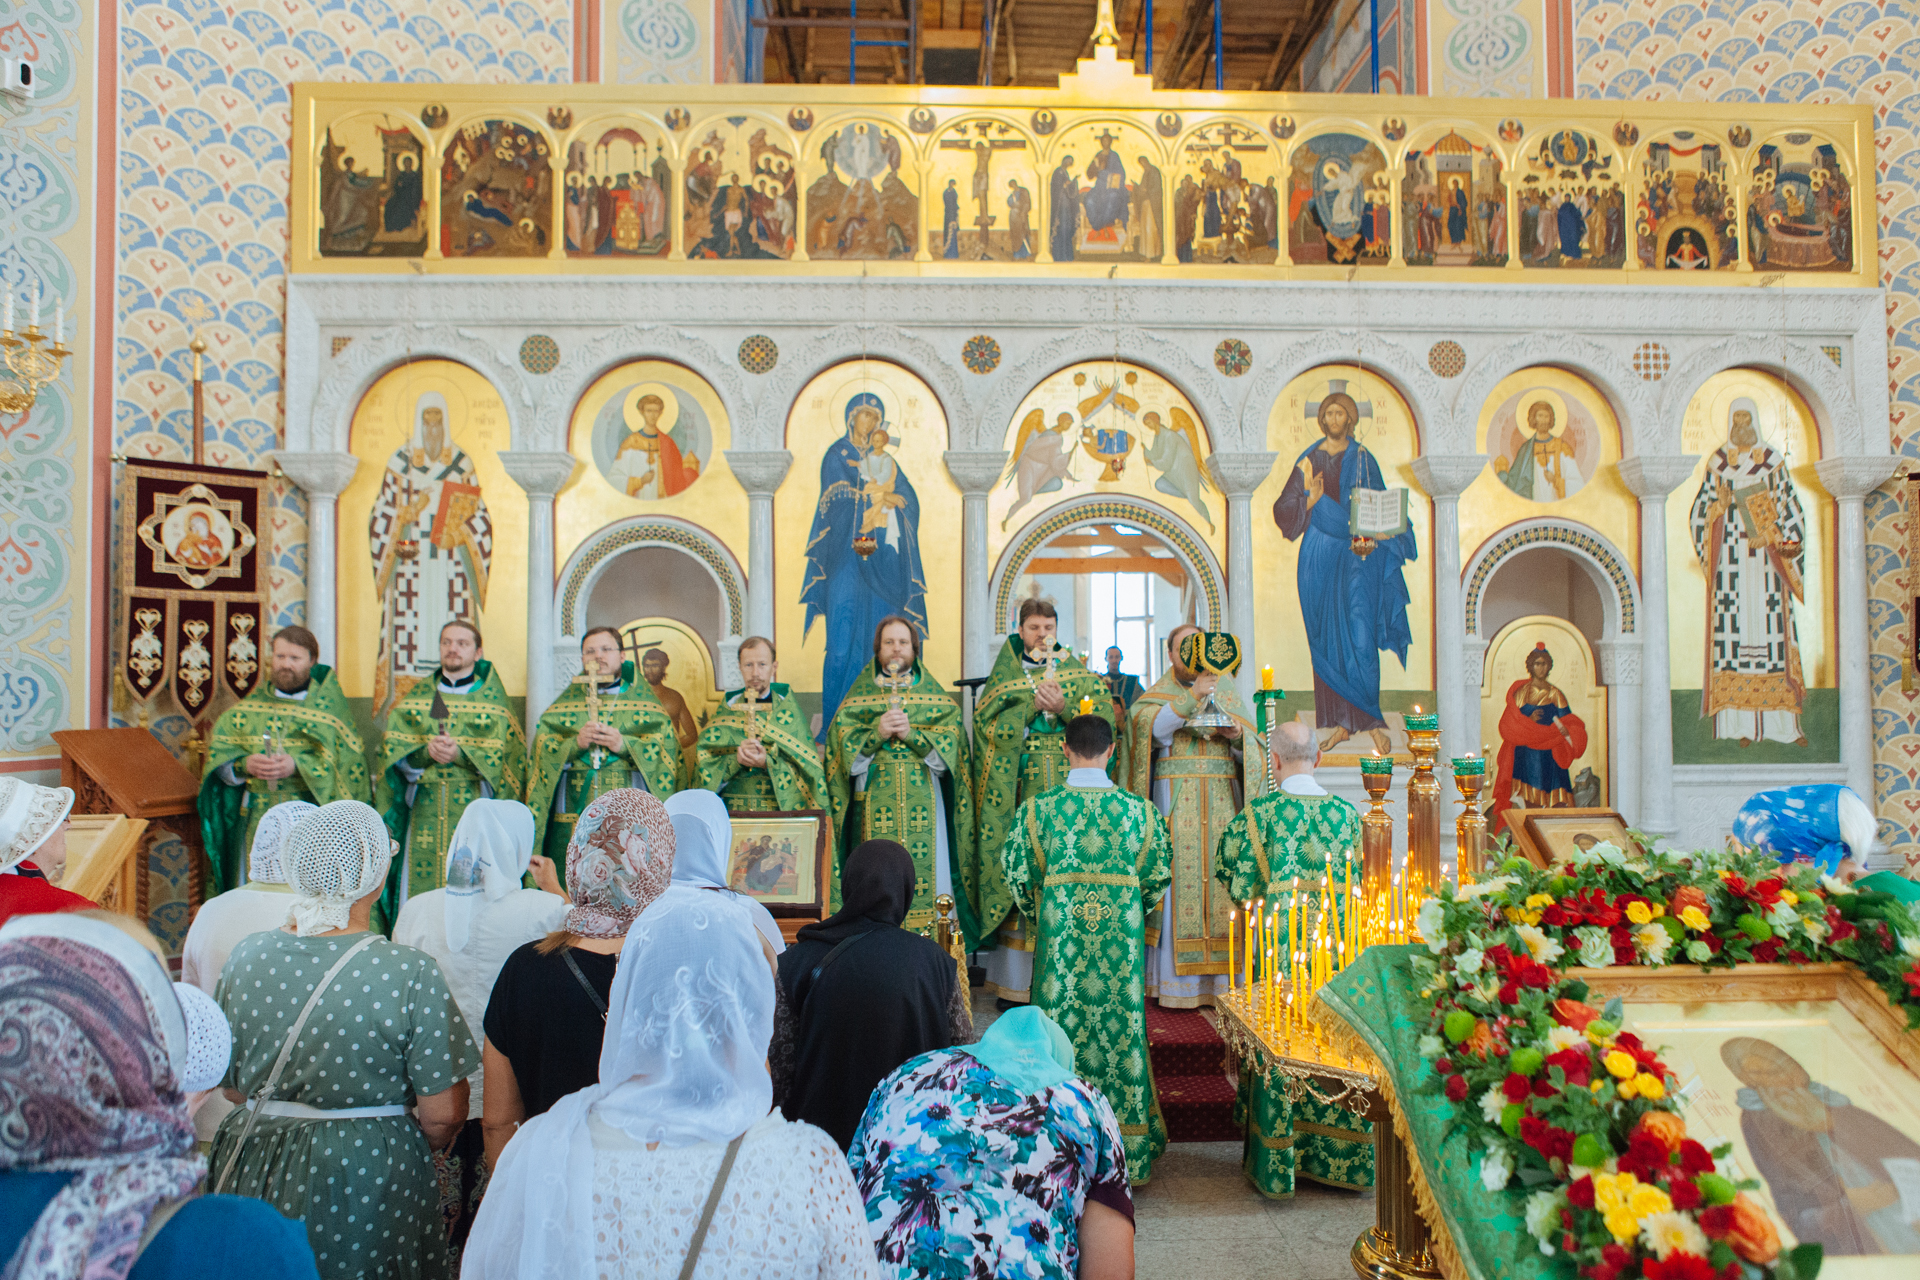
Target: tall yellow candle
x=1266, y=677
x=1233, y=919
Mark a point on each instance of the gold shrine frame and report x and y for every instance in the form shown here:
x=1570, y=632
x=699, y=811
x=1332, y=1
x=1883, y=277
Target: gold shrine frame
x=801, y=888
x=1549, y=836
x=1828, y=1019
x=1562, y=146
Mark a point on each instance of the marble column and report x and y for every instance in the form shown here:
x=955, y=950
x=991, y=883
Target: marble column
x=1850, y=480
x=1620, y=673
x=1238, y=475
x=1456, y=681
x=542, y=475
x=321, y=476
x=1651, y=478
x=759, y=472
x=976, y=473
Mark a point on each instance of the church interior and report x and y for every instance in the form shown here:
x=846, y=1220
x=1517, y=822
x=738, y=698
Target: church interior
x=1510, y=395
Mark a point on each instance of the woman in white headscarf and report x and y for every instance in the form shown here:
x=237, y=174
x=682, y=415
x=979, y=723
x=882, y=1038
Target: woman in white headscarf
x=703, y=843
x=261, y=903
x=471, y=926
x=370, y=1028
x=676, y=1152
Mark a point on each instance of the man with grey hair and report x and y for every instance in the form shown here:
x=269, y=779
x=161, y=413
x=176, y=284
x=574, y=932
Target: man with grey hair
x=1282, y=843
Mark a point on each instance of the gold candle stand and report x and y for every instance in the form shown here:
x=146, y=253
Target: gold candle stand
x=1376, y=840
x=1470, y=828
x=1424, y=807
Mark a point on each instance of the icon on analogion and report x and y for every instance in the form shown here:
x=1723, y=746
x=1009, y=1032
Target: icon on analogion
x=652, y=441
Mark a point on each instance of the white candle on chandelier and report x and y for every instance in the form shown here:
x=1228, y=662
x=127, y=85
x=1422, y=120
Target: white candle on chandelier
x=7, y=324
x=59, y=323
x=33, y=318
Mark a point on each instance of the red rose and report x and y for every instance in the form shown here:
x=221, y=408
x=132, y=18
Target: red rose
x=1797, y=956
x=1500, y=955
x=1623, y=955
x=1767, y=892
x=1443, y=1066
x=1912, y=978
x=1678, y=1266
x=1558, y=917
x=1580, y=1193
x=1516, y=1087
x=1572, y=1013
x=1767, y=952
x=1616, y=1256
x=1695, y=1159
x=1841, y=927
x=1509, y=992
x=1577, y=1063
x=1543, y=1087
x=1713, y=941
x=1685, y=1195
x=1456, y=1088
x=1537, y=976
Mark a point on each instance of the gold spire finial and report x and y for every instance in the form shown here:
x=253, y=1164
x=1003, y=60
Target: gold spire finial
x=199, y=347
x=1105, y=30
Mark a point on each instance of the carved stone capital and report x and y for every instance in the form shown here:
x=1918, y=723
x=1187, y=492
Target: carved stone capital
x=759, y=471
x=541, y=474
x=1447, y=475
x=1239, y=474
x=321, y=475
x=1619, y=661
x=975, y=472
x=1473, y=663
x=1652, y=476
x=1854, y=477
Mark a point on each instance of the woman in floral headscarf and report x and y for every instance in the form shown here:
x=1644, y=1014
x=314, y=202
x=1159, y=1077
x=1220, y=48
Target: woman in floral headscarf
x=548, y=1010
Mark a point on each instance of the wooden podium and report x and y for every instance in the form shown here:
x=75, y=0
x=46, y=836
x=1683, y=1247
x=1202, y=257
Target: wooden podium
x=128, y=772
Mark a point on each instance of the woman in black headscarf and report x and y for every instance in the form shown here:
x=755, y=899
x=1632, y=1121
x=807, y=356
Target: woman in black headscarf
x=858, y=996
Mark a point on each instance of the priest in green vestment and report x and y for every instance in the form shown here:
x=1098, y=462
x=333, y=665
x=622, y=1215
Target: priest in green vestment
x=897, y=769
x=452, y=738
x=291, y=738
x=756, y=752
x=1281, y=842
x=1198, y=777
x=621, y=736
x=1087, y=863
x=1035, y=687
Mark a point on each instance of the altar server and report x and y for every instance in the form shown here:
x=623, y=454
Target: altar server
x=1198, y=777
x=756, y=751
x=451, y=739
x=291, y=738
x=620, y=736
x=1035, y=687
x=1087, y=863
x=1281, y=842
x=897, y=768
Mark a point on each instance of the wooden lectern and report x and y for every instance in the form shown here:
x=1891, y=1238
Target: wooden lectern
x=127, y=771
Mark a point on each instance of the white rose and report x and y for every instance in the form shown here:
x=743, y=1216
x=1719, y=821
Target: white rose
x=1910, y=943
x=1596, y=949
x=1470, y=961
x=1496, y=1168
x=1699, y=952
x=1543, y=1215
x=1428, y=922
x=1492, y=1103
x=1432, y=1047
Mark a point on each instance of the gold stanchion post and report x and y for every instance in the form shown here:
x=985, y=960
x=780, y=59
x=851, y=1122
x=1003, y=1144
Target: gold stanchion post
x=1470, y=828
x=1376, y=848
x=1424, y=807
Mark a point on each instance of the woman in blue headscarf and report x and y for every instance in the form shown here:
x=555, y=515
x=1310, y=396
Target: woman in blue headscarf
x=1827, y=824
x=863, y=492
x=1045, y=1188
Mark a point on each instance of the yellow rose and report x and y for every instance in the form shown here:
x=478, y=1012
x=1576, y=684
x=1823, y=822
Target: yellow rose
x=1537, y=900
x=1649, y=1086
x=1622, y=1224
x=1696, y=919
x=1789, y=897
x=1612, y=1190
x=1627, y=1090
x=1658, y=911
x=1621, y=1065
x=1639, y=913
x=1599, y=1086
x=1646, y=1201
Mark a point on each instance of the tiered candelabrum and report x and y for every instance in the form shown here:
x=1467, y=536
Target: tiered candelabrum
x=25, y=356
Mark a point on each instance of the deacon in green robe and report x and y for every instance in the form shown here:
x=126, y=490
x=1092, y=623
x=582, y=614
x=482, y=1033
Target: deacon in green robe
x=757, y=753
x=1035, y=687
x=291, y=738
x=1087, y=862
x=1290, y=839
x=451, y=739
x=1198, y=778
x=897, y=770
x=625, y=739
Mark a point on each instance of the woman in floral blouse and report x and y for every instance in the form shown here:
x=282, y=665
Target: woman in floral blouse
x=1048, y=1194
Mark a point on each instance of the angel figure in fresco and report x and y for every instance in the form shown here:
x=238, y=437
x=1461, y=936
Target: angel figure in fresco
x=1839, y=1175
x=1750, y=533
x=1543, y=468
x=1042, y=458
x=431, y=540
x=1174, y=452
x=1540, y=738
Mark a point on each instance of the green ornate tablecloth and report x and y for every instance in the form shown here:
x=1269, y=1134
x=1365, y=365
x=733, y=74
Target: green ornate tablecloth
x=1380, y=1004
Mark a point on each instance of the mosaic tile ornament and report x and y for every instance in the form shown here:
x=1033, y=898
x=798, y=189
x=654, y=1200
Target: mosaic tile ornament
x=341, y=344
x=1232, y=357
x=1651, y=360
x=539, y=354
x=1447, y=358
x=759, y=354
x=981, y=354
x=1833, y=354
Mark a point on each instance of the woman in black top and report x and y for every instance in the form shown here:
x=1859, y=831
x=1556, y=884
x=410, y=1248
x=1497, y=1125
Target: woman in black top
x=858, y=996
x=548, y=1011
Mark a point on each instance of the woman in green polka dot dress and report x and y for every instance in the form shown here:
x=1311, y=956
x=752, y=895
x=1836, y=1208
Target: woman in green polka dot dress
x=335, y=1146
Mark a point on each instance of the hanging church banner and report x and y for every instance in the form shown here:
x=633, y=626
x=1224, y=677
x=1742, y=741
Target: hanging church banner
x=192, y=589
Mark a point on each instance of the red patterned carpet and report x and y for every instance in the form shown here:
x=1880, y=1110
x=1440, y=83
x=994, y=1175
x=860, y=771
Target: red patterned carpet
x=1189, y=1065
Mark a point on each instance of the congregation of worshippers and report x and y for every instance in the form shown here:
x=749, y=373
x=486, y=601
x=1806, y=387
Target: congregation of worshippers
x=507, y=1009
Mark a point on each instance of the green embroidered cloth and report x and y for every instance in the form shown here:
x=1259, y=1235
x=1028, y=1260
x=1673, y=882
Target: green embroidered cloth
x=1380, y=1003
x=902, y=800
x=792, y=778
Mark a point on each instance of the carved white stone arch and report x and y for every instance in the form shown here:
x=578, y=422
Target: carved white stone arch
x=1809, y=370
x=1180, y=537
x=1406, y=370
x=329, y=425
x=767, y=429
x=1633, y=399
x=560, y=391
x=1198, y=382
